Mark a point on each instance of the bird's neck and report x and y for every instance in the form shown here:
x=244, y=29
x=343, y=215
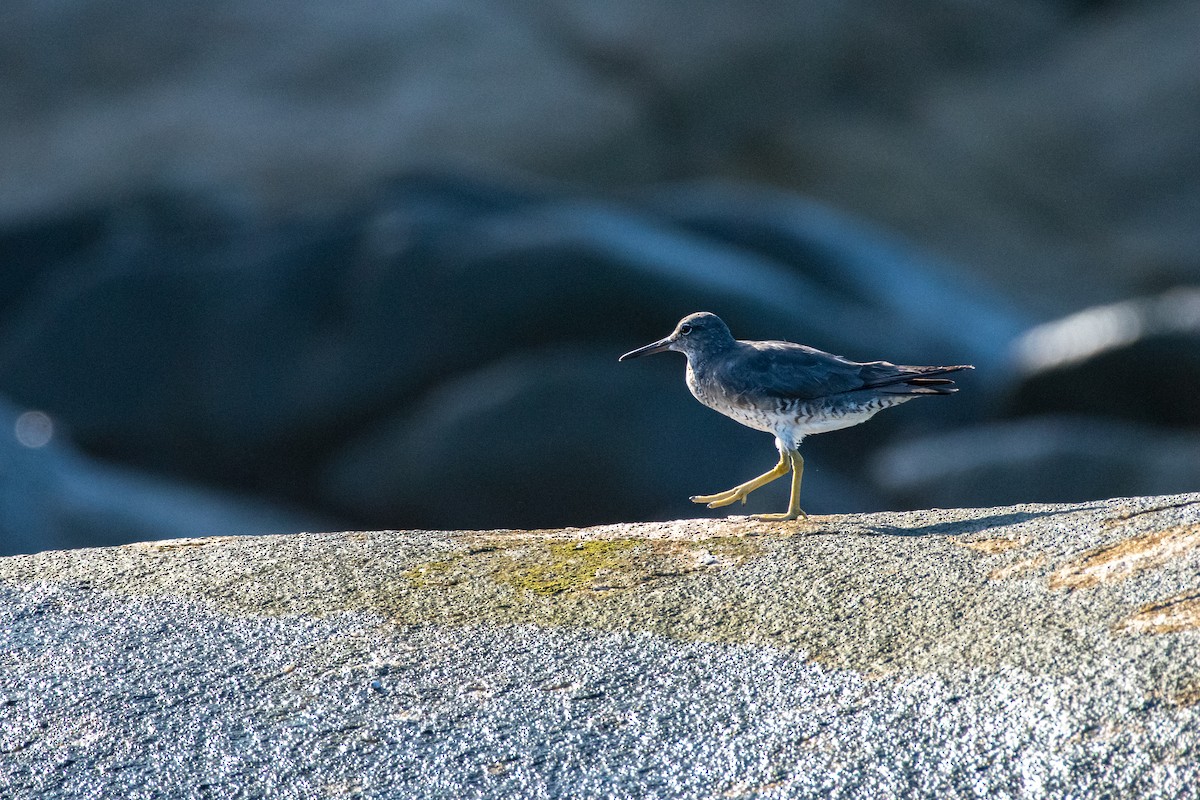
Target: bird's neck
x=696, y=379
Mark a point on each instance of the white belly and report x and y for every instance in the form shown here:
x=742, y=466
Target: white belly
x=791, y=421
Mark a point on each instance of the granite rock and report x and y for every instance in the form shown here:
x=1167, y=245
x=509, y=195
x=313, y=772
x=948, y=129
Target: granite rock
x=1032, y=650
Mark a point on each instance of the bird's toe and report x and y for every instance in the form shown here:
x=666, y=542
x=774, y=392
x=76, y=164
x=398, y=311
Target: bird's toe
x=785, y=516
x=717, y=500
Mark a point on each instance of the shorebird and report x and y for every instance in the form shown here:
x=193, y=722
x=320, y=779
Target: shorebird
x=789, y=390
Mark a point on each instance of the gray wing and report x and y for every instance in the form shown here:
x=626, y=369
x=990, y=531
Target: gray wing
x=798, y=372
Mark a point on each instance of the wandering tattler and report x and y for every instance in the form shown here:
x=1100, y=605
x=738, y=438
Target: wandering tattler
x=790, y=390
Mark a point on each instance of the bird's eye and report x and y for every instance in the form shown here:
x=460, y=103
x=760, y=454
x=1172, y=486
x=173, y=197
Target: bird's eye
x=685, y=329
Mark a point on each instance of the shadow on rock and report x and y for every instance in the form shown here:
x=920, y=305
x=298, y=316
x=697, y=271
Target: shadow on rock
x=959, y=527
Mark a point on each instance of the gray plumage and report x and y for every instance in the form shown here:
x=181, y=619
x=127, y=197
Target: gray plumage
x=789, y=390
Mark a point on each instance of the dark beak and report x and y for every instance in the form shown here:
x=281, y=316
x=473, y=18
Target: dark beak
x=656, y=347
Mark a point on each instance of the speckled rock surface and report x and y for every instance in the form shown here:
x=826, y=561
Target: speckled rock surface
x=1026, y=651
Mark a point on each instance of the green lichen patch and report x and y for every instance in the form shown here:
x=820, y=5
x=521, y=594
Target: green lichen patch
x=546, y=567
x=877, y=593
x=432, y=573
x=572, y=566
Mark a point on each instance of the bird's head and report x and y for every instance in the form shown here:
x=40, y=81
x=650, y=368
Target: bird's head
x=696, y=334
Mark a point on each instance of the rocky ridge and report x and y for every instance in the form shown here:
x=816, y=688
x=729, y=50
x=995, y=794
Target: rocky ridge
x=1046, y=650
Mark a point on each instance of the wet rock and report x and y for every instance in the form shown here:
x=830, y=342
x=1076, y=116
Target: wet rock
x=1069, y=156
x=849, y=264
x=103, y=103
x=1027, y=140
x=1042, y=459
x=1138, y=360
x=129, y=339
x=246, y=354
x=53, y=497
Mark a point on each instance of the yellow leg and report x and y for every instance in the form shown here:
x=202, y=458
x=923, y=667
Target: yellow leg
x=794, y=510
x=740, y=491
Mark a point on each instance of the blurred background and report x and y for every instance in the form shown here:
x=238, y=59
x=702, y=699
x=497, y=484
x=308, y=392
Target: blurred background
x=268, y=268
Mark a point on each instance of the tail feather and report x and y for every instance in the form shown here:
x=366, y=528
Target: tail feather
x=918, y=380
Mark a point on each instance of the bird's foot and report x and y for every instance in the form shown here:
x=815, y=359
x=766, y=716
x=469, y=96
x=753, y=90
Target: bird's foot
x=721, y=498
x=740, y=491
x=783, y=517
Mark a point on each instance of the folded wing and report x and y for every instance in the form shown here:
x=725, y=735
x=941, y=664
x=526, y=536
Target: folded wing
x=797, y=372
